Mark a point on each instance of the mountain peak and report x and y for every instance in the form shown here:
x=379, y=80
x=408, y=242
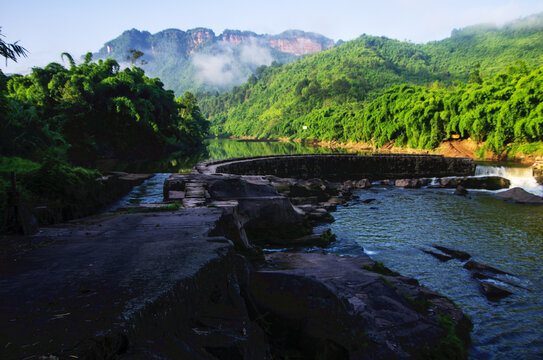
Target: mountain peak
x=204, y=57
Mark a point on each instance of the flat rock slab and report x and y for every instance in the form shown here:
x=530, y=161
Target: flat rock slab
x=520, y=195
x=85, y=279
x=325, y=294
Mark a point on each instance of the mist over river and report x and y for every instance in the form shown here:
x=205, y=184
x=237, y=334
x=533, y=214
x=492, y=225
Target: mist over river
x=400, y=222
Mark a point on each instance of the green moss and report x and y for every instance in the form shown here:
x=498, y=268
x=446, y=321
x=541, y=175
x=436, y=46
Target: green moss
x=380, y=268
x=386, y=281
x=419, y=305
x=326, y=238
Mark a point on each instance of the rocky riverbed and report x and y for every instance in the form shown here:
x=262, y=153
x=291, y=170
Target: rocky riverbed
x=195, y=283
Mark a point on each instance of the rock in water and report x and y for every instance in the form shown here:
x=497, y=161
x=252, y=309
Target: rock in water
x=408, y=183
x=477, y=266
x=520, y=195
x=461, y=255
x=460, y=190
x=493, y=292
x=438, y=256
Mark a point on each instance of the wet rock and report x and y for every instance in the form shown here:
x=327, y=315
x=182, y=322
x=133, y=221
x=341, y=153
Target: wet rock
x=460, y=190
x=493, y=292
x=537, y=172
x=233, y=188
x=458, y=254
x=320, y=238
x=479, y=182
x=363, y=184
x=320, y=215
x=326, y=300
x=271, y=220
x=520, y=195
x=387, y=182
x=477, y=266
x=367, y=201
x=408, y=183
x=313, y=200
x=438, y=256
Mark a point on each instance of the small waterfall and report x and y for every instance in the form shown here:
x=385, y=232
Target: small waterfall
x=519, y=176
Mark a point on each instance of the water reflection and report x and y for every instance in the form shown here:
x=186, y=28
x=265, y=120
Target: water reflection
x=215, y=149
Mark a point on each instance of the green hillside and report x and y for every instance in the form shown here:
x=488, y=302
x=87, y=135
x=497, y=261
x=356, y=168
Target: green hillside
x=363, y=89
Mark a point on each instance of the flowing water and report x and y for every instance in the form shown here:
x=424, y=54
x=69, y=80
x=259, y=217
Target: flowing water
x=509, y=236
x=400, y=222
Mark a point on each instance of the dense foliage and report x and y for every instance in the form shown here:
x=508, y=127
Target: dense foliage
x=502, y=110
x=375, y=89
x=94, y=110
x=57, y=118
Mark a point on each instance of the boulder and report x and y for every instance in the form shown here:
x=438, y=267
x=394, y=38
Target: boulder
x=408, y=183
x=362, y=184
x=332, y=306
x=478, y=182
x=520, y=195
x=486, y=182
x=477, y=266
x=271, y=220
x=493, y=292
x=460, y=190
x=233, y=188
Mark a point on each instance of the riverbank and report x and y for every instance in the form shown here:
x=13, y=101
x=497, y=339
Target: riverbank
x=467, y=148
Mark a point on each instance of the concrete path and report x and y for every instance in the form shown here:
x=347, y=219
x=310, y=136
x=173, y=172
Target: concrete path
x=82, y=280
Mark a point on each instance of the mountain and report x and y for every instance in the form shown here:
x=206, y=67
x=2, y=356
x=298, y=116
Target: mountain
x=198, y=60
x=375, y=89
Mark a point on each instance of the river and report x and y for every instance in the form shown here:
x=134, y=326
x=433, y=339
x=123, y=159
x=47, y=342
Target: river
x=400, y=222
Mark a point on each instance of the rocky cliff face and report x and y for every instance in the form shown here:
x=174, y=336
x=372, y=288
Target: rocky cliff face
x=199, y=60
x=291, y=42
x=299, y=46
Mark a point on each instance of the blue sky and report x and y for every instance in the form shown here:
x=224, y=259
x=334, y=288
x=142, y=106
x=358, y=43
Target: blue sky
x=48, y=28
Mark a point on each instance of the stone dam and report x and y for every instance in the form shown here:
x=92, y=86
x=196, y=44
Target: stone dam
x=340, y=167
x=197, y=283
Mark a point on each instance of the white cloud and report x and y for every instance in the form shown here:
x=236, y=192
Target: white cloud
x=226, y=65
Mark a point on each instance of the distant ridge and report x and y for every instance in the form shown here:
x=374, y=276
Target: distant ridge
x=199, y=60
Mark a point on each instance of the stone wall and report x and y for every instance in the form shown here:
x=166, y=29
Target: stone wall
x=341, y=167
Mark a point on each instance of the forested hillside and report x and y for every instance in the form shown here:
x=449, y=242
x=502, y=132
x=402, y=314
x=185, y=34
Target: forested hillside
x=482, y=82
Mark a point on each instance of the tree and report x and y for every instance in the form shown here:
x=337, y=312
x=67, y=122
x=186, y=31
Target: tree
x=134, y=56
x=69, y=57
x=11, y=51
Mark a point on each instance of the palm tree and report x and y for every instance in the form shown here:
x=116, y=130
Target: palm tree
x=11, y=51
x=69, y=57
